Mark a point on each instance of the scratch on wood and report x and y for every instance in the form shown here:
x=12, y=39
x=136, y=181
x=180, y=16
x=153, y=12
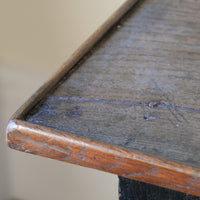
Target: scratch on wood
x=151, y=104
x=171, y=111
x=161, y=90
x=171, y=105
x=181, y=115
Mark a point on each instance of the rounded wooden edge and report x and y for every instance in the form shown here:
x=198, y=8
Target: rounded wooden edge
x=47, y=142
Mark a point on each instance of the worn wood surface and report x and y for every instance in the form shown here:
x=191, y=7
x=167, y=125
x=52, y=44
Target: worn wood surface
x=134, y=190
x=136, y=94
x=51, y=143
x=140, y=88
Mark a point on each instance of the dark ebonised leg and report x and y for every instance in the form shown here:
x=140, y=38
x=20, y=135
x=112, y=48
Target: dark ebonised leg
x=135, y=190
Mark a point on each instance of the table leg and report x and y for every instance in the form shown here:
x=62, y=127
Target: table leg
x=135, y=190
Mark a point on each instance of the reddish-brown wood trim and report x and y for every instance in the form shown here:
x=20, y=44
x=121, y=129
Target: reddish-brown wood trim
x=43, y=141
x=73, y=60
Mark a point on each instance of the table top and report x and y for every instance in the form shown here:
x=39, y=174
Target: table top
x=128, y=102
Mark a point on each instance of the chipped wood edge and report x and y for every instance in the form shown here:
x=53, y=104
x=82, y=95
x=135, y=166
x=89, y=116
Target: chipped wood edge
x=74, y=59
x=59, y=145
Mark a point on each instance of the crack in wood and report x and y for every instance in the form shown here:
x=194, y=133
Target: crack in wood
x=151, y=104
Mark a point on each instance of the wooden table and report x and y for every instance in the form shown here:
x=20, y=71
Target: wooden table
x=127, y=102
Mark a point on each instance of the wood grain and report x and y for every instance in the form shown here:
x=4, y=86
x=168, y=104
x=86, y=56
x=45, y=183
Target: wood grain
x=131, y=105
x=140, y=88
x=59, y=145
